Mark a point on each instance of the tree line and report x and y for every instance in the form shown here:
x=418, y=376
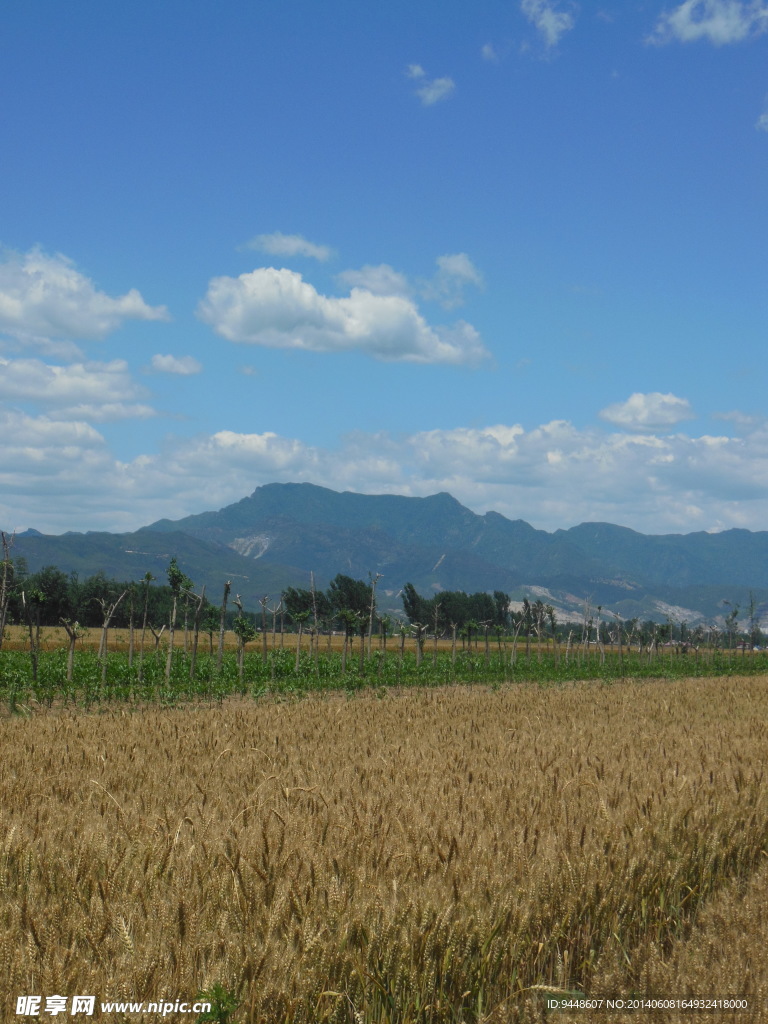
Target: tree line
x=52, y=597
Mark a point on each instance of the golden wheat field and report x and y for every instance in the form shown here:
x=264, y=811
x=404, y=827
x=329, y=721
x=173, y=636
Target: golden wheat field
x=461, y=854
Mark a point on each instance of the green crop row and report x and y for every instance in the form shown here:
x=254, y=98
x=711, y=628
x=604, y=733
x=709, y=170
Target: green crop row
x=280, y=671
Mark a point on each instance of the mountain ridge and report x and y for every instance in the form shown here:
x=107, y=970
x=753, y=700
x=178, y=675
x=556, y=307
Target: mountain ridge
x=277, y=535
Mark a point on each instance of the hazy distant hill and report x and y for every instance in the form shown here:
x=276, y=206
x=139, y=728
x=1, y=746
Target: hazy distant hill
x=437, y=543
x=274, y=537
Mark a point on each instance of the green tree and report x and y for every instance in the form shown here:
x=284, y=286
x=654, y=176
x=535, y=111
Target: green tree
x=55, y=586
x=414, y=605
x=347, y=594
x=501, y=603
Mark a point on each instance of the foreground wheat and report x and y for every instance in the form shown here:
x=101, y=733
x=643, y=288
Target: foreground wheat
x=428, y=856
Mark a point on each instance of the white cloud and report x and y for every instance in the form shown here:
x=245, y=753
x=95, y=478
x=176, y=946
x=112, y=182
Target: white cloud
x=652, y=411
x=277, y=308
x=454, y=272
x=489, y=53
x=553, y=475
x=718, y=21
x=34, y=435
x=762, y=122
x=106, y=412
x=380, y=280
x=44, y=297
x=184, y=366
x=47, y=467
x=433, y=90
x=97, y=391
x=436, y=90
x=551, y=22
x=278, y=244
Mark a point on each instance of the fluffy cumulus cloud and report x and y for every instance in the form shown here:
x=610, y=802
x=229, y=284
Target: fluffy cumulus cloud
x=652, y=411
x=430, y=90
x=716, y=21
x=549, y=19
x=277, y=308
x=91, y=390
x=278, y=244
x=44, y=297
x=182, y=366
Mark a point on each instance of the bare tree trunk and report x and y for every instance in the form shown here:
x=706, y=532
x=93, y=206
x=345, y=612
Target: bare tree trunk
x=32, y=608
x=314, y=651
x=74, y=631
x=298, y=646
x=186, y=623
x=263, y=603
x=374, y=580
x=196, y=635
x=147, y=580
x=171, y=631
x=5, y=581
x=108, y=610
x=130, y=633
x=157, y=634
x=222, y=623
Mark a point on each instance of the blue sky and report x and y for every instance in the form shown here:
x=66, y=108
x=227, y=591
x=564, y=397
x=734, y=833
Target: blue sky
x=515, y=251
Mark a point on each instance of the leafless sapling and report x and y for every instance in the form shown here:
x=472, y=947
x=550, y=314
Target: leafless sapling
x=157, y=634
x=6, y=580
x=74, y=631
x=178, y=582
x=245, y=631
x=32, y=603
x=146, y=580
x=200, y=600
x=374, y=580
x=222, y=625
x=299, y=618
x=107, y=611
x=263, y=602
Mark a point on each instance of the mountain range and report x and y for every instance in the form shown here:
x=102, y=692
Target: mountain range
x=279, y=534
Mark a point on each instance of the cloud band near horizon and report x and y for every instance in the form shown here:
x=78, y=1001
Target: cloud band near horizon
x=554, y=475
